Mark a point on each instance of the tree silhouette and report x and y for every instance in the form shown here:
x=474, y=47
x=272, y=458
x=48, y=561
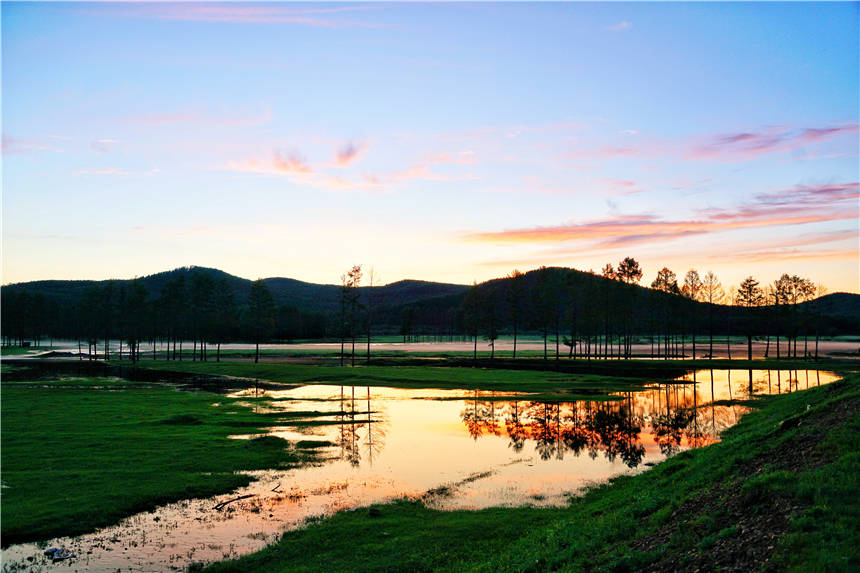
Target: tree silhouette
x=750, y=297
x=692, y=289
x=135, y=316
x=261, y=314
x=472, y=316
x=224, y=304
x=791, y=291
x=713, y=294
x=629, y=271
x=201, y=310
x=371, y=276
x=666, y=281
x=514, y=296
x=348, y=308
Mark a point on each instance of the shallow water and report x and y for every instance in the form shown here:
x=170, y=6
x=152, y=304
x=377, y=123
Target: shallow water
x=454, y=449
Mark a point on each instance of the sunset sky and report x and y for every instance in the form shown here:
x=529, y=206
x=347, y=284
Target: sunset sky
x=446, y=142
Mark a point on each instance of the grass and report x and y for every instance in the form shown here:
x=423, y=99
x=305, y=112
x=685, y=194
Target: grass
x=542, y=383
x=778, y=493
x=18, y=350
x=81, y=453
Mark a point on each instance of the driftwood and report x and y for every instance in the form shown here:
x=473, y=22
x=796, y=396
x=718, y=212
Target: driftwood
x=275, y=489
x=224, y=504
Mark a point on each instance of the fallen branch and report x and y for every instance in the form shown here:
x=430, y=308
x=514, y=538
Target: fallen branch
x=275, y=489
x=224, y=504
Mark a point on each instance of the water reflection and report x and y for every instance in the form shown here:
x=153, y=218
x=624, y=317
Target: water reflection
x=558, y=428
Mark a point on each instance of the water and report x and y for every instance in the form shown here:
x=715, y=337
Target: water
x=453, y=449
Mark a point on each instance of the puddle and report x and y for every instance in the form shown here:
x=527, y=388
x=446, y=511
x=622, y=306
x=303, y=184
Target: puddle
x=454, y=449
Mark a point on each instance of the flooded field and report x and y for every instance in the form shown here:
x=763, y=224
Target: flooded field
x=737, y=348
x=453, y=449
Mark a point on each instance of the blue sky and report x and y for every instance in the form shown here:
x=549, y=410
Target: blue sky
x=450, y=142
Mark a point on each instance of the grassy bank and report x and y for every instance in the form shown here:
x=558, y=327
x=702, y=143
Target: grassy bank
x=544, y=384
x=80, y=453
x=778, y=493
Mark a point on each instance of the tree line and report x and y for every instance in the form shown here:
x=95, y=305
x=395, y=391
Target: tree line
x=194, y=315
x=576, y=314
x=590, y=316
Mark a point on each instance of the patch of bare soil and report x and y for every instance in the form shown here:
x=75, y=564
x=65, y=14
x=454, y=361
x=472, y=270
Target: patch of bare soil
x=760, y=521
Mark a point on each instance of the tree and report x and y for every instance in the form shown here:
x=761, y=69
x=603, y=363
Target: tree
x=201, y=310
x=349, y=306
x=472, y=315
x=261, y=314
x=514, y=297
x=692, y=285
x=749, y=296
x=370, y=276
x=224, y=303
x=712, y=293
x=692, y=289
x=135, y=314
x=489, y=319
x=666, y=281
x=791, y=291
x=609, y=272
x=629, y=271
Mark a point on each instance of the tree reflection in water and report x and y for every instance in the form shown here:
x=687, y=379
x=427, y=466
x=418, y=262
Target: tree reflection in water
x=353, y=419
x=668, y=430
x=557, y=428
x=670, y=416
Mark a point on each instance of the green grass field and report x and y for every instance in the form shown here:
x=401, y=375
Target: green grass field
x=80, y=453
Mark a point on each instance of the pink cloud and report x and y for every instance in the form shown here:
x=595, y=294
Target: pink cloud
x=349, y=153
x=621, y=186
x=812, y=194
x=759, y=256
x=295, y=167
x=802, y=205
x=746, y=145
x=731, y=147
x=290, y=162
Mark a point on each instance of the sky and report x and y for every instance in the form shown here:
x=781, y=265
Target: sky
x=451, y=142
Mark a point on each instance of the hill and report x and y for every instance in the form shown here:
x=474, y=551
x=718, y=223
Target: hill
x=569, y=298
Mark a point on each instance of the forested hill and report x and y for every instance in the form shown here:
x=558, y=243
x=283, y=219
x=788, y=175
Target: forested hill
x=534, y=301
x=304, y=296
